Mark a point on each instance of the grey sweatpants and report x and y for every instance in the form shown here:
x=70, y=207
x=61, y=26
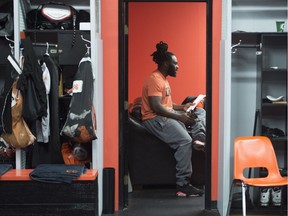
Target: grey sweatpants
x=199, y=127
x=175, y=134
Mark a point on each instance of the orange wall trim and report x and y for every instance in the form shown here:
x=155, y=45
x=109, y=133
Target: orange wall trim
x=217, y=29
x=109, y=34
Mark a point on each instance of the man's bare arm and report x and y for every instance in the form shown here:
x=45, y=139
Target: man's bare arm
x=159, y=109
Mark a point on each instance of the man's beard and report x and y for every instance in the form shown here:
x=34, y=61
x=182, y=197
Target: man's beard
x=171, y=70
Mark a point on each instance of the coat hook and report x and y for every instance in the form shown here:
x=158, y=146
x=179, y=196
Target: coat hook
x=233, y=49
x=85, y=39
x=9, y=39
x=11, y=46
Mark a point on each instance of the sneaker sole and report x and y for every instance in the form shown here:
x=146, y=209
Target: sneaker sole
x=276, y=204
x=199, y=146
x=264, y=204
x=181, y=194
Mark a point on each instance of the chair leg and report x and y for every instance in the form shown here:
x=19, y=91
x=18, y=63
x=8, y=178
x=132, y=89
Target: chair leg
x=282, y=200
x=243, y=186
x=230, y=199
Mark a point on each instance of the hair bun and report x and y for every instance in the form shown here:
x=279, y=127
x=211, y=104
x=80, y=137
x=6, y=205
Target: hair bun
x=162, y=47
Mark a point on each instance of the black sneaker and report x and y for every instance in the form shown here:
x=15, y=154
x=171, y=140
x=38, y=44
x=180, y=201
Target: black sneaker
x=188, y=190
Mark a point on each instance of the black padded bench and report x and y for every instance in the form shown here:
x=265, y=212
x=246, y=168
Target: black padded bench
x=19, y=195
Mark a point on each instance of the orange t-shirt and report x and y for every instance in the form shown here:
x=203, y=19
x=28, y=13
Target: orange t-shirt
x=155, y=85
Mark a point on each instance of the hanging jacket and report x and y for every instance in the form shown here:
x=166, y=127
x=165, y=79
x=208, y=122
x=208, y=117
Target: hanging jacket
x=50, y=152
x=43, y=124
x=54, y=139
x=31, y=85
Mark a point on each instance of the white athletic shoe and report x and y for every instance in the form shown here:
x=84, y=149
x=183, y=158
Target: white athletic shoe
x=276, y=196
x=265, y=196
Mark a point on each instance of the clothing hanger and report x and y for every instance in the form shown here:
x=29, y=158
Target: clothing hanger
x=47, y=49
x=41, y=60
x=88, y=50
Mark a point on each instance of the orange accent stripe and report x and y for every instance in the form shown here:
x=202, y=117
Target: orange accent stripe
x=23, y=175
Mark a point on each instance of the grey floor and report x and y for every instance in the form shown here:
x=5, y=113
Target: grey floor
x=163, y=202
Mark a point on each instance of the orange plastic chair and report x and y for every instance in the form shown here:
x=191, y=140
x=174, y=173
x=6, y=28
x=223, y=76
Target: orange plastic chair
x=255, y=152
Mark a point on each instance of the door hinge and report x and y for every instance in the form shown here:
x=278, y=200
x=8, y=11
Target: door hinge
x=126, y=105
x=126, y=29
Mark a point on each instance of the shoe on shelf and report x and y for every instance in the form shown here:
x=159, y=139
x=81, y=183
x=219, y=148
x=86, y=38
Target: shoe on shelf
x=199, y=142
x=276, y=196
x=188, y=190
x=265, y=196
